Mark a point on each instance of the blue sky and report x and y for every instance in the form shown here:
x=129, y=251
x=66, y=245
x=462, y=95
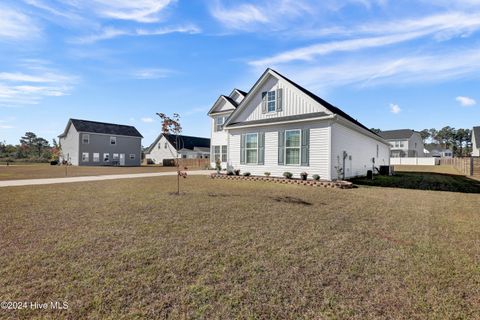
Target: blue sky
x=390, y=64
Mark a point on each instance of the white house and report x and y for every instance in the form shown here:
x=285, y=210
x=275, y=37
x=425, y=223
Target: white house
x=437, y=151
x=281, y=127
x=404, y=143
x=476, y=141
x=165, y=147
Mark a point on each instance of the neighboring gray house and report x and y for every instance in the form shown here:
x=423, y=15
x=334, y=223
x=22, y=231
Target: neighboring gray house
x=404, y=143
x=91, y=143
x=165, y=147
x=476, y=141
x=437, y=151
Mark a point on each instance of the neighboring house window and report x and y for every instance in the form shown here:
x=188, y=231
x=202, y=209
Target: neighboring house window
x=415, y=145
x=271, y=101
x=219, y=123
x=224, y=153
x=85, y=138
x=166, y=145
x=96, y=157
x=85, y=156
x=292, y=147
x=184, y=156
x=106, y=157
x=115, y=157
x=377, y=150
x=399, y=144
x=132, y=156
x=251, y=147
x=216, y=152
x=113, y=140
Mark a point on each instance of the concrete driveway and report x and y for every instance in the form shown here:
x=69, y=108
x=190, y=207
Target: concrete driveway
x=32, y=182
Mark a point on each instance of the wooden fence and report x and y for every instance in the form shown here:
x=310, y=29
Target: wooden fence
x=468, y=166
x=189, y=163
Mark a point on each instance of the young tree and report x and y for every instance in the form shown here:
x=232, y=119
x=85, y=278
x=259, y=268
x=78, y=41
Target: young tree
x=425, y=134
x=171, y=126
x=376, y=130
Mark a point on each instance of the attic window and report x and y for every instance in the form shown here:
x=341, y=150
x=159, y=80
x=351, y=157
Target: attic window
x=271, y=101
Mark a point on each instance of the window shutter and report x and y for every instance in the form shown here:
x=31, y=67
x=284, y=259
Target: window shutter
x=305, y=147
x=261, y=148
x=279, y=100
x=242, y=149
x=281, y=147
x=264, y=102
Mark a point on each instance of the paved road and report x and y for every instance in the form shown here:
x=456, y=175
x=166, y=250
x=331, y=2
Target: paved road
x=31, y=182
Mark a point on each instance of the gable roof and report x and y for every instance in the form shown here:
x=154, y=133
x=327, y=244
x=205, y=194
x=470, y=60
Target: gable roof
x=103, y=128
x=396, y=134
x=185, y=142
x=313, y=96
x=227, y=99
x=436, y=147
x=476, y=134
x=243, y=93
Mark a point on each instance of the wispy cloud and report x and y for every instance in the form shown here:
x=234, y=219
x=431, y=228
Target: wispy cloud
x=110, y=33
x=145, y=11
x=440, y=27
x=33, y=84
x=395, y=108
x=466, y=101
x=152, y=73
x=147, y=119
x=15, y=25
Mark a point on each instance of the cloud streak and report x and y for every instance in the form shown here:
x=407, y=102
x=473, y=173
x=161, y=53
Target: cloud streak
x=14, y=25
x=466, y=101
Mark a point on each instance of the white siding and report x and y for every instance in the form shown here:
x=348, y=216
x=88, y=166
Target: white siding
x=294, y=102
x=319, y=151
x=217, y=138
x=475, y=150
x=70, y=145
x=362, y=149
x=158, y=152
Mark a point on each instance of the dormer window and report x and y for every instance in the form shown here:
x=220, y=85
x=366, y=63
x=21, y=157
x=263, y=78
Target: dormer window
x=271, y=106
x=219, y=122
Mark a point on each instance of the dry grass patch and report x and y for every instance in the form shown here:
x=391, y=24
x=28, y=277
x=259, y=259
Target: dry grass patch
x=39, y=171
x=233, y=250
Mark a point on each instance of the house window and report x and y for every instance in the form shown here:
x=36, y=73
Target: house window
x=132, y=156
x=96, y=157
x=271, y=101
x=113, y=140
x=106, y=157
x=216, y=152
x=85, y=138
x=115, y=157
x=251, y=147
x=85, y=156
x=377, y=150
x=224, y=153
x=166, y=145
x=292, y=147
x=220, y=122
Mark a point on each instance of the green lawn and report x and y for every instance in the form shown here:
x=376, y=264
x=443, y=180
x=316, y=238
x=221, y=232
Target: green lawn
x=423, y=181
x=239, y=250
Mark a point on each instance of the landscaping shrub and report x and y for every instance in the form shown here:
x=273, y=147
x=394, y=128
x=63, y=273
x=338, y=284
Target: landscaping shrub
x=316, y=177
x=230, y=173
x=267, y=174
x=288, y=175
x=304, y=175
x=237, y=172
x=246, y=174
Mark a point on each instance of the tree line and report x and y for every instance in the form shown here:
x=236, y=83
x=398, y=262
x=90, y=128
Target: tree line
x=458, y=140
x=31, y=148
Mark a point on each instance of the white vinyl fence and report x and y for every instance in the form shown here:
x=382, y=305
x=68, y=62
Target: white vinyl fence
x=415, y=161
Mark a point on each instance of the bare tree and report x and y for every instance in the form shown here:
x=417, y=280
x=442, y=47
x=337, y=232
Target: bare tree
x=171, y=126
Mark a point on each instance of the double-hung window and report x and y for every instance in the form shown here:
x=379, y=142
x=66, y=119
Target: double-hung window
x=96, y=157
x=271, y=101
x=224, y=153
x=113, y=140
x=85, y=156
x=216, y=153
x=85, y=138
x=219, y=123
x=106, y=157
x=251, y=148
x=132, y=156
x=292, y=147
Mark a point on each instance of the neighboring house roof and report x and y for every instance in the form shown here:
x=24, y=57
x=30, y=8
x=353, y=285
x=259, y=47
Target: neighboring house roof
x=232, y=102
x=396, y=134
x=185, y=142
x=436, y=147
x=316, y=98
x=103, y=128
x=243, y=93
x=476, y=133
x=280, y=119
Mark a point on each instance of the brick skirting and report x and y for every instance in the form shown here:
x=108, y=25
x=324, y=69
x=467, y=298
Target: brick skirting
x=312, y=183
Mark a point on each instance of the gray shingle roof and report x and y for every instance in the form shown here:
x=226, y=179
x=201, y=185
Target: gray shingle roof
x=105, y=128
x=185, y=142
x=476, y=133
x=396, y=134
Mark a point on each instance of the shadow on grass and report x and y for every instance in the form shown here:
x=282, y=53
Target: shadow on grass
x=423, y=181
